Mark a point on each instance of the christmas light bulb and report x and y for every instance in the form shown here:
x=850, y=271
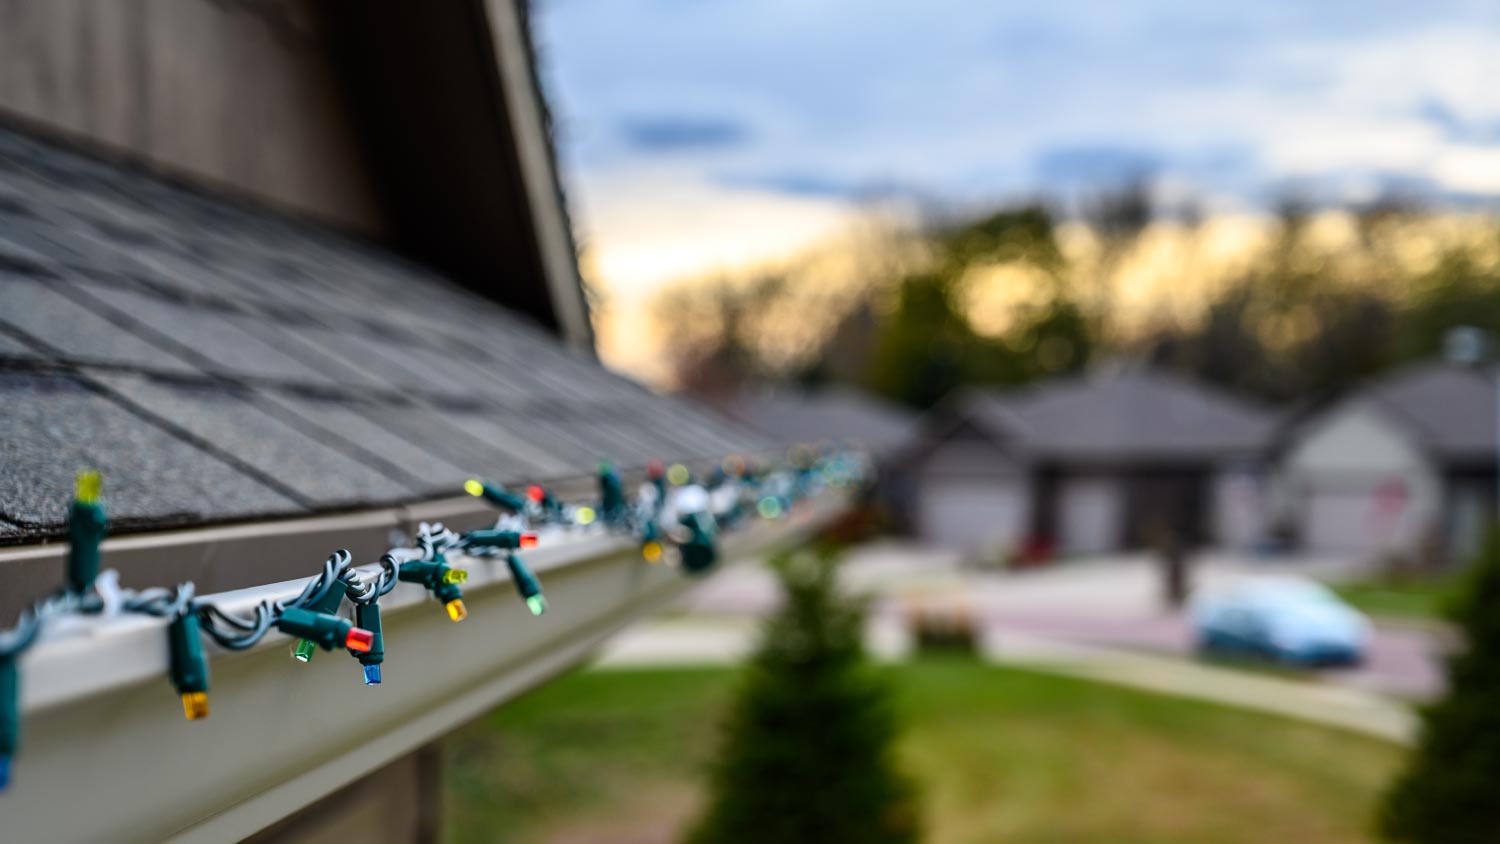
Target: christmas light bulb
x=303, y=650
x=90, y=487
x=536, y=493
x=195, y=705
x=584, y=515
x=537, y=604
x=359, y=641
x=679, y=474
x=769, y=507
x=652, y=552
x=456, y=609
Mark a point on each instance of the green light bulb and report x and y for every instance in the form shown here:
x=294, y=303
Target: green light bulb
x=303, y=650
x=537, y=603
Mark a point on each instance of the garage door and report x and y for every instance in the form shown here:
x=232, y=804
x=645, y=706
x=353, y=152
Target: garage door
x=1356, y=522
x=977, y=516
x=1089, y=514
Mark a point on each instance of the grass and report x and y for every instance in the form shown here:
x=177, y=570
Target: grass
x=1400, y=598
x=999, y=755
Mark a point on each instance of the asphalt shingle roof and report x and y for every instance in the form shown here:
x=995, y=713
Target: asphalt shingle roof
x=221, y=362
x=1128, y=415
x=841, y=414
x=1449, y=410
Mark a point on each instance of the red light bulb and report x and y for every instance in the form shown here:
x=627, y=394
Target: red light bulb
x=360, y=640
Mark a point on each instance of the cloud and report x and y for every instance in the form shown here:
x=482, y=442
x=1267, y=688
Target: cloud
x=1455, y=126
x=1096, y=164
x=678, y=133
x=810, y=185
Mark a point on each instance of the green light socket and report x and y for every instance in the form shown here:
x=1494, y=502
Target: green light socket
x=527, y=585
x=320, y=629
x=87, y=526
x=329, y=604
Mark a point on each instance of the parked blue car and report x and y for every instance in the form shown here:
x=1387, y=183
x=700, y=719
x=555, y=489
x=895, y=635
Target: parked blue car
x=1287, y=619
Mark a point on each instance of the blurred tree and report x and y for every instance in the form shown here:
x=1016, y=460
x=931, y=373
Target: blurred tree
x=1305, y=318
x=1447, y=795
x=1458, y=291
x=808, y=750
x=1022, y=234
x=925, y=345
x=1119, y=214
x=711, y=331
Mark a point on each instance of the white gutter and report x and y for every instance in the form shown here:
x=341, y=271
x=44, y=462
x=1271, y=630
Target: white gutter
x=107, y=756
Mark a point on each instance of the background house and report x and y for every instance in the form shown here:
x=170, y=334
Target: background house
x=1091, y=464
x=1403, y=465
x=839, y=415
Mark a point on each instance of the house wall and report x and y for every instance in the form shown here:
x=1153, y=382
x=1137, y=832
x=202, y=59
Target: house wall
x=1353, y=483
x=240, y=93
x=400, y=803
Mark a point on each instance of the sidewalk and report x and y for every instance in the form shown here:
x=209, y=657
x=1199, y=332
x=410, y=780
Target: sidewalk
x=1321, y=703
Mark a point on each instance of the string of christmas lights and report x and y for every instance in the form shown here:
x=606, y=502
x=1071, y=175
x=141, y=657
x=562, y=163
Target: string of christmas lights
x=669, y=509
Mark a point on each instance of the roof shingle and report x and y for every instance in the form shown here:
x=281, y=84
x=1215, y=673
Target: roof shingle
x=222, y=362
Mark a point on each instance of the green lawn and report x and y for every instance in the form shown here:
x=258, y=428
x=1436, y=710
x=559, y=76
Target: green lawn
x=999, y=755
x=1423, y=599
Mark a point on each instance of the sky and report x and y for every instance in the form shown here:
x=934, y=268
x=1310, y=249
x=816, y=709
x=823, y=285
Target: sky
x=698, y=135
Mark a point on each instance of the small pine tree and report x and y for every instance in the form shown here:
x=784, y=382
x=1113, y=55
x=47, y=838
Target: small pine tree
x=808, y=754
x=1449, y=793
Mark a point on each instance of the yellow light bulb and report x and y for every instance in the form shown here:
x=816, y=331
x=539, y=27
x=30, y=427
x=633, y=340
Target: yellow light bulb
x=474, y=487
x=195, y=705
x=90, y=485
x=678, y=474
x=584, y=515
x=652, y=552
x=456, y=576
x=456, y=609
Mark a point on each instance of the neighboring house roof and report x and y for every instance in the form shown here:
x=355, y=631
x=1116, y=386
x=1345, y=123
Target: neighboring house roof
x=220, y=362
x=1126, y=415
x=1448, y=410
x=838, y=414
